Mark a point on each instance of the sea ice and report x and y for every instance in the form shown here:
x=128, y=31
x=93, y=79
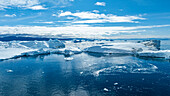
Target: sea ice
x=115, y=83
x=155, y=54
x=9, y=71
x=119, y=48
x=7, y=53
x=28, y=48
x=43, y=44
x=68, y=58
x=105, y=89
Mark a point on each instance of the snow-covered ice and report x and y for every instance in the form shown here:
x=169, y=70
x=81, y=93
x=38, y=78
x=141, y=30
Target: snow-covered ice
x=7, y=53
x=155, y=54
x=68, y=58
x=115, y=83
x=9, y=71
x=105, y=89
x=150, y=48
x=120, y=48
x=27, y=48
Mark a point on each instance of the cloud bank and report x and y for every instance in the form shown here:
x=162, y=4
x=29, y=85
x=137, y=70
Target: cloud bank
x=32, y=4
x=89, y=17
x=76, y=31
x=100, y=3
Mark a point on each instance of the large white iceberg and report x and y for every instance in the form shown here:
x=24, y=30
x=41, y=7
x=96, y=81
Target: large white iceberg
x=148, y=48
x=120, y=48
x=27, y=48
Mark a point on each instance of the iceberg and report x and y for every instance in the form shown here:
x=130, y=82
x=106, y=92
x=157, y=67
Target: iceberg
x=67, y=51
x=155, y=54
x=106, y=50
x=43, y=44
x=147, y=48
x=152, y=43
x=8, y=53
x=15, y=49
x=126, y=48
x=37, y=52
x=68, y=58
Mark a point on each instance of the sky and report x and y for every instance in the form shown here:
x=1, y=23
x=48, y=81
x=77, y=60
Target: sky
x=87, y=18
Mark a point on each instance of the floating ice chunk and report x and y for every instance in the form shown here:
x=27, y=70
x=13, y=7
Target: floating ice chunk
x=105, y=50
x=68, y=58
x=97, y=73
x=69, y=51
x=55, y=44
x=43, y=44
x=76, y=41
x=81, y=72
x=152, y=43
x=9, y=71
x=155, y=54
x=105, y=89
x=125, y=48
x=7, y=53
x=33, y=44
x=115, y=83
x=37, y=52
x=14, y=49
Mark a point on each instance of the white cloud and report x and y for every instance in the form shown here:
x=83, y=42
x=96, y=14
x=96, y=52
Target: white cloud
x=38, y=7
x=100, y=3
x=100, y=18
x=33, y=4
x=76, y=30
x=96, y=11
x=7, y=15
x=70, y=17
x=64, y=21
x=44, y=22
x=54, y=15
x=18, y=3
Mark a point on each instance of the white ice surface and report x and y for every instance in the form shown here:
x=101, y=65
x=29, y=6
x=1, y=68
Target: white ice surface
x=19, y=48
x=29, y=48
x=155, y=54
x=7, y=53
x=119, y=48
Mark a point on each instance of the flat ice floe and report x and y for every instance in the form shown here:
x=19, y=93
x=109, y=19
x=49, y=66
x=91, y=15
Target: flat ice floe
x=14, y=49
x=142, y=49
x=155, y=54
x=7, y=53
x=120, y=48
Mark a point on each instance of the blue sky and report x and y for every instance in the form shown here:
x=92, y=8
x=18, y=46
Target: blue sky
x=139, y=17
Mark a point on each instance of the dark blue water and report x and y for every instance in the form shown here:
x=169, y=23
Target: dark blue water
x=86, y=75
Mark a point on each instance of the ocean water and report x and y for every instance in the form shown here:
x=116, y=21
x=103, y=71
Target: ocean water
x=87, y=74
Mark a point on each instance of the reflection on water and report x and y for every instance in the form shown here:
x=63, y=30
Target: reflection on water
x=85, y=75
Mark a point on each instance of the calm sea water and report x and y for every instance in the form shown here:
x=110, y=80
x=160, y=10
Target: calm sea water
x=86, y=75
